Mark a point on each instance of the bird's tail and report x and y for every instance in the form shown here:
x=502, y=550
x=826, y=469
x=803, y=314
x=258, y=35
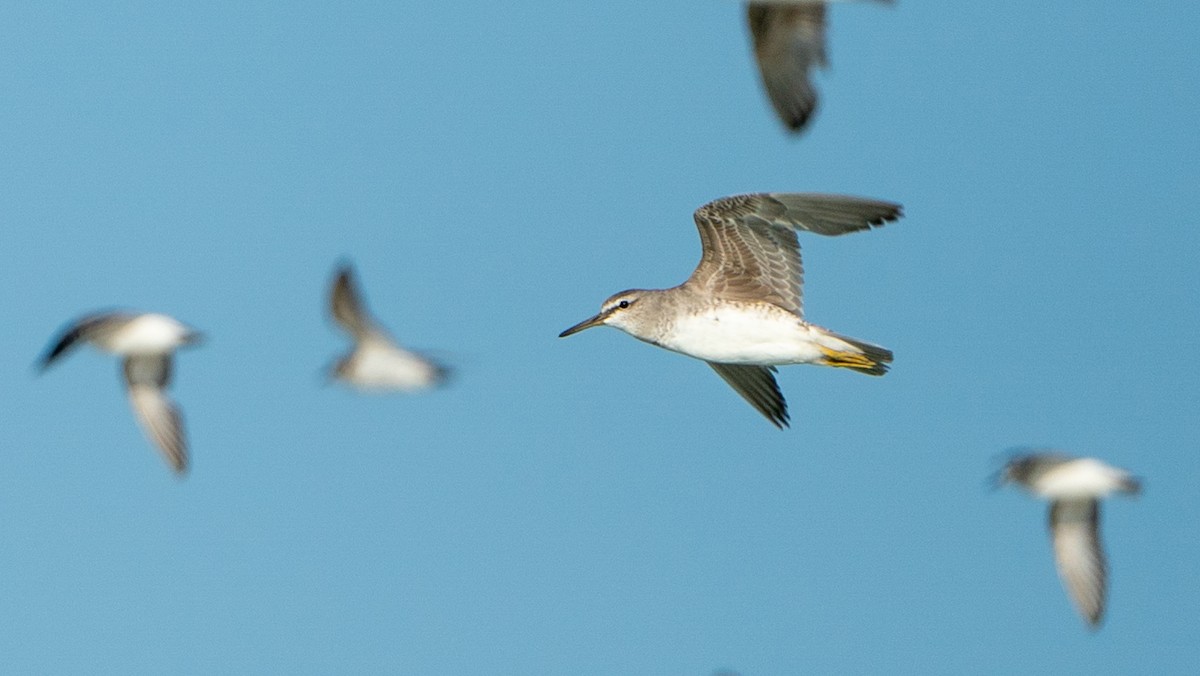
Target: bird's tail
x=845, y=352
x=1131, y=485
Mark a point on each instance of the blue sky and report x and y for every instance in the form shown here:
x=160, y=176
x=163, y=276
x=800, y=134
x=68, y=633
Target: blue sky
x=592, y=505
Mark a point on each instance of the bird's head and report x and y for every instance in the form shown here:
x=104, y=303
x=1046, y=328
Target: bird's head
x=617, y=311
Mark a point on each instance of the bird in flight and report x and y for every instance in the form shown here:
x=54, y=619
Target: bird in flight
x=375, y=363
x=789, y=42
x=741, y=309
x=147, y=342
x=1074, y=487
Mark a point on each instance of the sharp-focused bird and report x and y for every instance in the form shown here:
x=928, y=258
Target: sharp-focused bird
x=1074, y=487
x=147, y=342
x=376, y=363
x=741, y=309
x=789, y=42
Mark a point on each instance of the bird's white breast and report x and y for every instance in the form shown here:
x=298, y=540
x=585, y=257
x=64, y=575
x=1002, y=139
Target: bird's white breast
x=379, y=365
x=1082, y=478
x=146, y=334
x=743, y=334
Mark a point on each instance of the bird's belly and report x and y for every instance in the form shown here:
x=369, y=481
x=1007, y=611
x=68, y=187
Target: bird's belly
x=147, y=334
x=389, y=369
x=1082, y=478
x=743, y=337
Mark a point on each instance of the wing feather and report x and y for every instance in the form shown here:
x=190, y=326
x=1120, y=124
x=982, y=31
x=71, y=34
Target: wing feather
x=346, y=306
x=750, y=250
x=85, y=329
x=757, y=385
x=1079, y=555
x=789, y=41
x=147, y=378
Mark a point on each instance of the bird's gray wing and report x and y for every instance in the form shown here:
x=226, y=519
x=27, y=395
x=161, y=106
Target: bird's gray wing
x=789, y=41
x=85, y=329
x=345, y=303
x=757, y=385
x=147, y=378
x=1075, y=530
x=1028, y=465
x=749, y=245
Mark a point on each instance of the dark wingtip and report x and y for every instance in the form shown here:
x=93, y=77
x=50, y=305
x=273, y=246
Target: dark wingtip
x=796, y=122
x=343, y=273
x=796, y=116
x=1000, y=477
x=796, y=125
x=51, y=355
x=71, y=336
x=894, y=214
x=779, y=417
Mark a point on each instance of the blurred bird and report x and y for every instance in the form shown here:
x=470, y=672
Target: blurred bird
x=147, y=342
x=741, y=309
x=376, y=363
x=789, y=41
x=1074, y=487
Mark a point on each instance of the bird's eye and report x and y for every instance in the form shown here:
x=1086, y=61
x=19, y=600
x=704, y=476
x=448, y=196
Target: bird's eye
x=623, y=304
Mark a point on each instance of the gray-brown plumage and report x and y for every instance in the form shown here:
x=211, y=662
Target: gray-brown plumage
x=741, y=310
x=346, y=306
x=749, y=245
x=789, y=43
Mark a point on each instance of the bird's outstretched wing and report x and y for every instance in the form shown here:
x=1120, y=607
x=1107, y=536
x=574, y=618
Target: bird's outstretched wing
x=749, y=245
x=82, y=330
x=346, y=306
x=147, y=378
x=789, y=41
x=757, y=385
x=1075, y=530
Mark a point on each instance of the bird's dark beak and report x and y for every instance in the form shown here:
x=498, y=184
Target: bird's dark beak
x=585, y=324
x=194, y=338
